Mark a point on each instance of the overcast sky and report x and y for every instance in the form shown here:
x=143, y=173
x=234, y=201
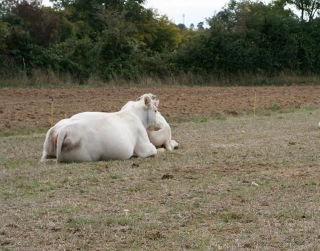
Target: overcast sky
x=194, y=11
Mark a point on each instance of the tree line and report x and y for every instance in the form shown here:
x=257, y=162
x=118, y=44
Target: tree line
x=111, y=39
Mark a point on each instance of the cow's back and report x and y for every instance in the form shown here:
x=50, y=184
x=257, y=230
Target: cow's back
x=100, y=138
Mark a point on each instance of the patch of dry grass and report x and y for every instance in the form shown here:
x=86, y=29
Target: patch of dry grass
x=50, y=79
x=241, y=183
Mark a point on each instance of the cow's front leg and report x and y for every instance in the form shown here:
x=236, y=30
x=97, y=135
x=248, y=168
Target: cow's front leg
x=145, y=150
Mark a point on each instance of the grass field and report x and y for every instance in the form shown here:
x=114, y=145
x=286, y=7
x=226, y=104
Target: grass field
x=236, y=183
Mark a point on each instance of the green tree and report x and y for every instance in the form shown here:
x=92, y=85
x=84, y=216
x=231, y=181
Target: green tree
x=307, y=8
x=166, y=35
x=200, y=26
x=41, y=24
x=181, y=26
x=245, y=37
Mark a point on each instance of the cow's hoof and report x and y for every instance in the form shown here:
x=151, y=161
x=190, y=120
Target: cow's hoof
x=161, y=150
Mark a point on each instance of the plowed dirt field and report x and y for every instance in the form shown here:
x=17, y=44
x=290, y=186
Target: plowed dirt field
x=32, y=108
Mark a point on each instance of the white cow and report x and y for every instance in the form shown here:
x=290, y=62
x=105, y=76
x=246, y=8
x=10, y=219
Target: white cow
x=161, y=137
x=104, y=136
x=50, y=143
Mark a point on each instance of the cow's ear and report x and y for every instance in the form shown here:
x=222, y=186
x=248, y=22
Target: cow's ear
x=147, y=101
x=157, y=103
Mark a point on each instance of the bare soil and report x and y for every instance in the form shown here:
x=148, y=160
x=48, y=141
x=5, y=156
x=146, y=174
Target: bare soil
x=31, y=108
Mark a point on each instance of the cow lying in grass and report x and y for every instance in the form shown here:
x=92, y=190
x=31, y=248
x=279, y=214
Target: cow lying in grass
x=104, y=136
x=162, y=137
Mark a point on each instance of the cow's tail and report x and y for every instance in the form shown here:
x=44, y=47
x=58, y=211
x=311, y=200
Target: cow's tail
x=60, y=139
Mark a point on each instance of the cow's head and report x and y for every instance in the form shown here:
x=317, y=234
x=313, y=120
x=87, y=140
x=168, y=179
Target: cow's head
x=152, y=120
x=152, y=97
x=133, y=103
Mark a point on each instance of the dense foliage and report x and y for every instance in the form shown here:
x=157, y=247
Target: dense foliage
x=121, y=38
